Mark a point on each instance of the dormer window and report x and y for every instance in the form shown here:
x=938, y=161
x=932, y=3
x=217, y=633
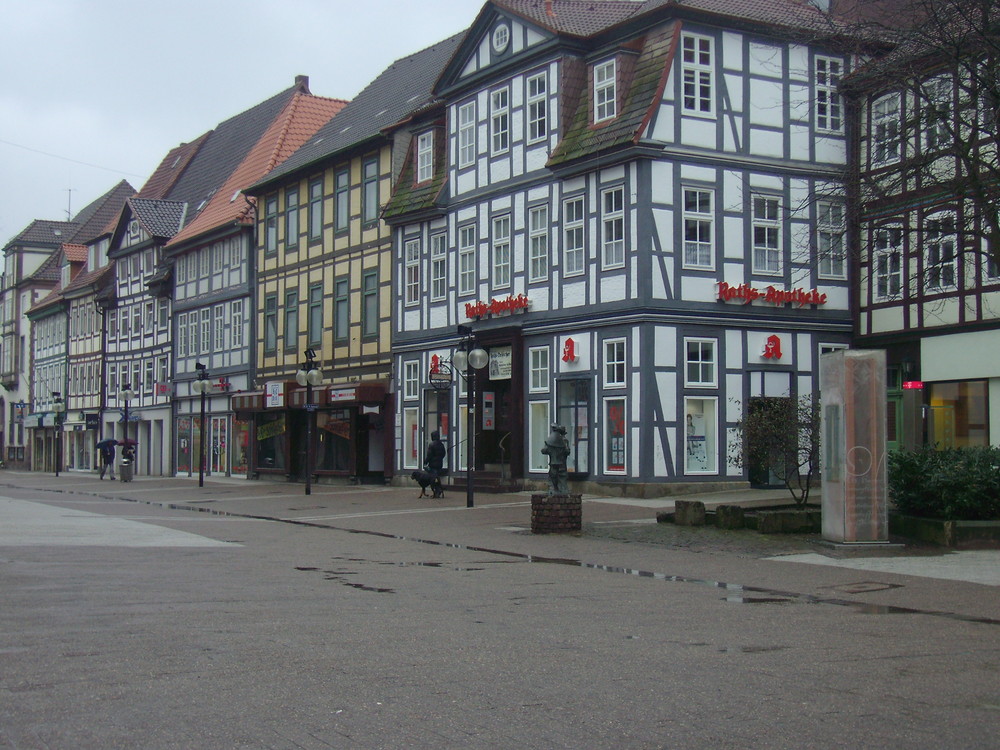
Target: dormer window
x=605, y=91
x=425, y=156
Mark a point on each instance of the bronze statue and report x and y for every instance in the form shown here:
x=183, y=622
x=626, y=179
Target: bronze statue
x=557, y=449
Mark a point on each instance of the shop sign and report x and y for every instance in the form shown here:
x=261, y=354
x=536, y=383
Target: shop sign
x=489, y=410
x=913, y=385
x=439, y=375
x=274, y=395
x=271, y=429
x=500, y=362
x=342, y=394
x=569, y=351
x=93, y=421
x=772, y=348
x=771, y=295
x=496, y=306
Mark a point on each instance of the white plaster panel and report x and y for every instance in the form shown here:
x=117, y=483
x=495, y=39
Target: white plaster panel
x=582, y=363
x=659, y=456
x=612, y=288
x=697, y=131
x=993, y=397
x=613, y=174
x=831, y=150
x=666, y=386
x=732, y=186
x=698, y=289
x=535, y=157
x=805, y=351
x=502, y=203
x=734, y=404
x=574, y=294
x=734, y=87
x=465, y=214
x=538, y=193
x=799, y=142
x=804, y=385
x=731, y=50
x=573, y=184
x=766, y=143
x=887, y=319
x=664, y=346
x=500, y=170
x=734, y=348
x=663, y=129
x=765, y=181
x=837, y=297
x=732, y=448
x=960, y=356
x=776, y=384
x=662, y=178
x=766, y=60
x=533, y=37
x=700, y=174
x=438, y=317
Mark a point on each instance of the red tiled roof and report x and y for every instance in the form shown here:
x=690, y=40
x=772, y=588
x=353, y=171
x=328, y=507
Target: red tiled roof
x=171, y=168
x=297, y=123
x=581, y=18
x=75, y=253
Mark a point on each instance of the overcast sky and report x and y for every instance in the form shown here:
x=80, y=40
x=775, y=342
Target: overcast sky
x=94, y=91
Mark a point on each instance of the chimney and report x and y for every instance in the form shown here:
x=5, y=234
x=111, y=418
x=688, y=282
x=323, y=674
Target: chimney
x=549, y=11
x=302, y=84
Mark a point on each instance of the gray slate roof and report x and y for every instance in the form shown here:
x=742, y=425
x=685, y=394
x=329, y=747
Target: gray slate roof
x=159, y=218
x=399, y=90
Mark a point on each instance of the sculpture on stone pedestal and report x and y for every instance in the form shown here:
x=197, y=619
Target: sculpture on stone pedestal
x=557, y=449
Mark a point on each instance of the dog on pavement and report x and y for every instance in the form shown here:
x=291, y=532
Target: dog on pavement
x=425, y=479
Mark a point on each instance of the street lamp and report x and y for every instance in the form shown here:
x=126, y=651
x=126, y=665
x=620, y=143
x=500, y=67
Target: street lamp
x=309, y=376
x=126, y=394
x=59, y=407
x=467, y=360
x=202, y=386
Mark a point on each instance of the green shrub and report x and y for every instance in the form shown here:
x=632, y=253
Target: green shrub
x=955, y=484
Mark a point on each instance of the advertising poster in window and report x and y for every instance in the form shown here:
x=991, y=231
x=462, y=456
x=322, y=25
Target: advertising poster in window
x=615, y=435
x=697, y=453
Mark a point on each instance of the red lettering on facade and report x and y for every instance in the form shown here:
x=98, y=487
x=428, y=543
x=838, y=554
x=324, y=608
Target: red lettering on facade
x=496, y=306
x=772, y=295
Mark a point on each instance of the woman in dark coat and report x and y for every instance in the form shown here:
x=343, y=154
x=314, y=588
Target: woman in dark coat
x=434, y=462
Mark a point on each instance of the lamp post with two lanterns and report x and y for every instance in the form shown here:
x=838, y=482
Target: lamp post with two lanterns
x=308, y=376
x=126, y=394
x=467, y=359
x=59, y=409
x=202, y=386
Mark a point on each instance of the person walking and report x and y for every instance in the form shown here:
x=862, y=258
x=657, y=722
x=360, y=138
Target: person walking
x=434, y=462
x=106, y=448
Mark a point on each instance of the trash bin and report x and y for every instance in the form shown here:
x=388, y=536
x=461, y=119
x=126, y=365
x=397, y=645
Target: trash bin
x=126, y=471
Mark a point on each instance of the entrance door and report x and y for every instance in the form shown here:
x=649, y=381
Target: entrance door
x=219, y=460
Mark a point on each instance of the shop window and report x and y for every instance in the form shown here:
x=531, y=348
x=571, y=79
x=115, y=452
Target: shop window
x=959, y=416
x=573, y=411
x=700, y=436
x=271, y=441
x=614, y=435
x=411, y=438
x=538, y=430
x=333, y=440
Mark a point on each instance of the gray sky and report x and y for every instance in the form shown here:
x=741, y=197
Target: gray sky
x=93, y=91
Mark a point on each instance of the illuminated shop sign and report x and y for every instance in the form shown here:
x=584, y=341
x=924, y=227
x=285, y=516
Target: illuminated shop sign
x=746, y=294
x=508, y=304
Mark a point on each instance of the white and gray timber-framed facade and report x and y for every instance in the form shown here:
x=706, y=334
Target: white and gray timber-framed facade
x=642, y=224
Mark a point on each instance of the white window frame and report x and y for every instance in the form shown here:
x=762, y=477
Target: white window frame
x=411, y=281
x=574, y=236
x=219, y=314
x=466, y=134
x=829, y=104
x=467, y=259
x=701, y=357
x=605, y=90
x=411, y=442
x=425, y=156
x=766, y=234
x=411, y=380
x=941, y=243
x=697, y=75
x=937, y=93
x=238, y=324
x=539, y=421
x=539, y=369
x=439, y=266
x=538, y=243
x=886, y=130
x=538, y=107
x=613, y=228
x=501, y=251
x=615, y=363
x=887, y=262
x=608, y=436
x=499, y=120
x=182, y=335
x=830, y=231
x=698, y=227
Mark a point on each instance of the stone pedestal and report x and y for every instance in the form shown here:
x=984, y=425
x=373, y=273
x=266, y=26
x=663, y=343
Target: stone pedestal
x=554, y=514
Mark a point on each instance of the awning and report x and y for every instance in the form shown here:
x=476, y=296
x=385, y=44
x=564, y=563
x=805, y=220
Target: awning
x=252, y=401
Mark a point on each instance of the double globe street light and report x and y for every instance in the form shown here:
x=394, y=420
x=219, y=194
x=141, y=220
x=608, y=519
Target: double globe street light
x=467, y=359
x=203, y=386
x=308, y=376
x=59, y=410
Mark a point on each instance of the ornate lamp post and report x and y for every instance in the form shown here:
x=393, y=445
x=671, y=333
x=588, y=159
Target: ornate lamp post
x=202, y=386
x=309, y=376
x=59, y=408
x=467, y=360
x=126, y=394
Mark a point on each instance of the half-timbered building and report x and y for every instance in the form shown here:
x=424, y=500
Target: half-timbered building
x=324, y=288
x=636, y=210
x=211, y=269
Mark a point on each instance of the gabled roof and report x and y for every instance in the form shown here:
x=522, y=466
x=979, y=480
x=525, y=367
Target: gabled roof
x=75, y=253
x=400, y=89
x=42, y=232
x=160, y=218
x=301, y=118
x=408, y=196
x=576, y=18
x=169, y=171
x=95, y=218
x=89, y=280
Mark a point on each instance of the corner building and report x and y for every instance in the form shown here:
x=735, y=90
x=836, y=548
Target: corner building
x=636, y=209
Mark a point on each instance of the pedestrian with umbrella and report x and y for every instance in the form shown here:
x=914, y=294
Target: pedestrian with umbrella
x=107, y=450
